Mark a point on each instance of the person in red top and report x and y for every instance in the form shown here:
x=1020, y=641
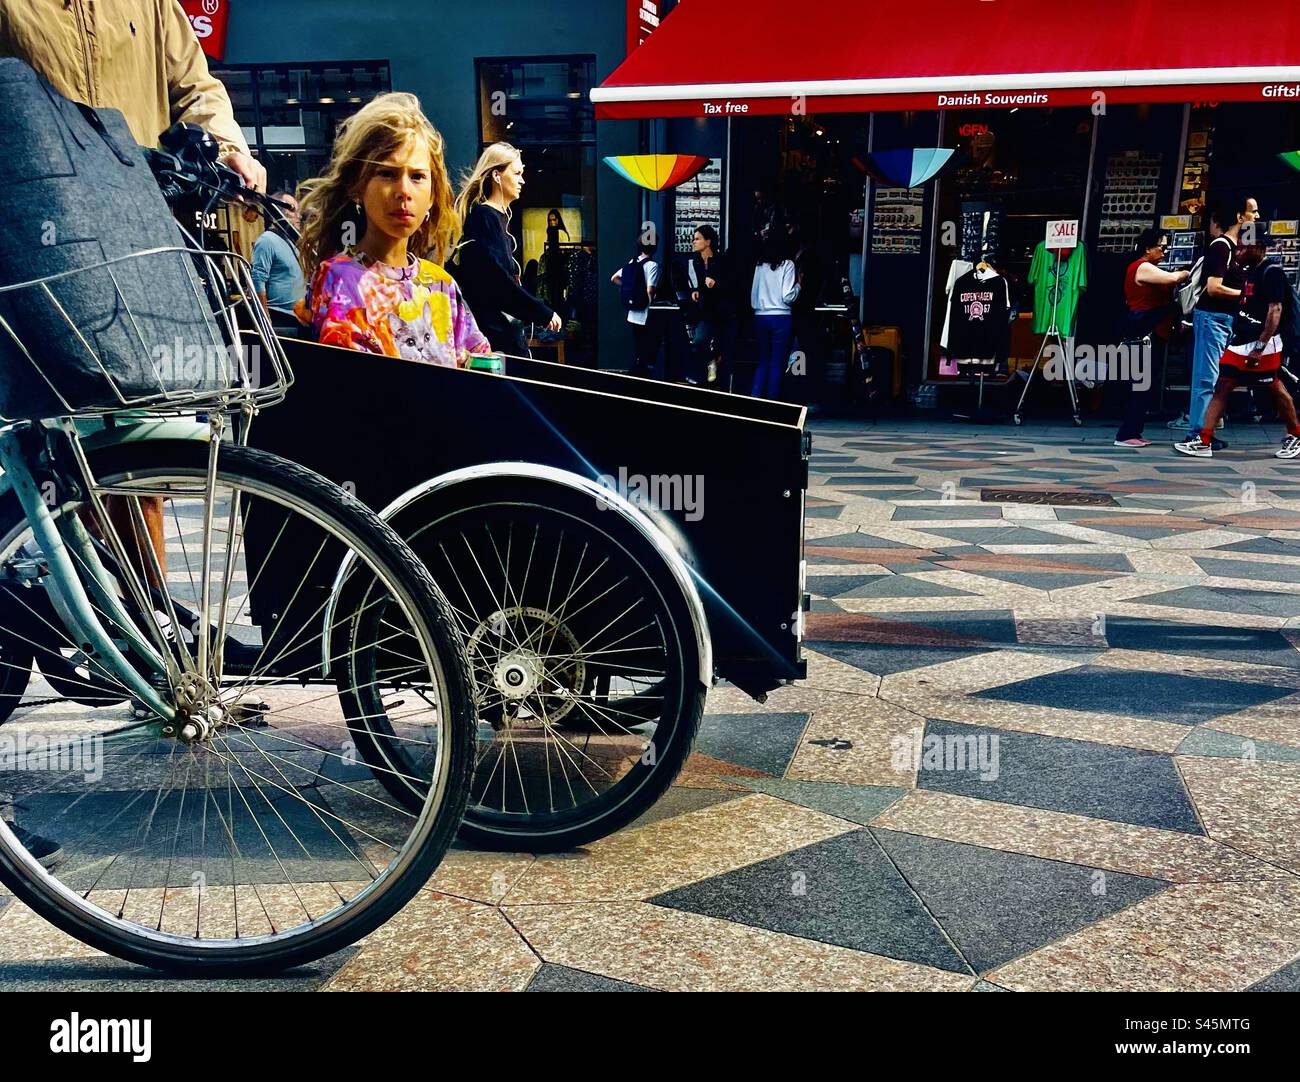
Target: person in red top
x=1149, y=295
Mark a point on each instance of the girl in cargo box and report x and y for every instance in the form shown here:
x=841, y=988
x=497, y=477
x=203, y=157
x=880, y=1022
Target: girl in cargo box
x=377, y=227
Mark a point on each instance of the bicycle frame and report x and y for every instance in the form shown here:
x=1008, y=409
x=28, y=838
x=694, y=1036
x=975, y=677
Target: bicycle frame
x=64, y=544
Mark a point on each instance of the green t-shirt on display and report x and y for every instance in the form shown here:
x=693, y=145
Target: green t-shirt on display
x=1057, y=281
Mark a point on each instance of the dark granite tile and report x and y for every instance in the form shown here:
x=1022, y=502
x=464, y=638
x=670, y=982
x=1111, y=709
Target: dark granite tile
x=884, y=660
x=1286, y=979
x=825, y=511
x=857, y=540
x=997, y=906
x=1125, y=785
x=1257, y=646
x=856, y=803
x=1274, y=546
x=1044, y=580
x=1246, y=569
x=835, y=585
x=763, y=741
x=553, y=978
x=844, y=891
x=1211, y=742
x=904, y=586
x=962, y=510
x=1227, y=599
x=1001, y=535
x=1174, y=698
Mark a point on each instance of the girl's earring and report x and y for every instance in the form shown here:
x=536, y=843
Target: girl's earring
x=357, y=207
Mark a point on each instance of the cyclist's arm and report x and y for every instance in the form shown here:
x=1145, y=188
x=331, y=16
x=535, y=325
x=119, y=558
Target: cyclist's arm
x=196, y=97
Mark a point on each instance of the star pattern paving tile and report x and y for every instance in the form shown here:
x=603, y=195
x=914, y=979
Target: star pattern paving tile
x=1138, y=665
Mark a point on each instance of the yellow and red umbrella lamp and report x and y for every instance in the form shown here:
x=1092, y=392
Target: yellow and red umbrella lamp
x=656, y=171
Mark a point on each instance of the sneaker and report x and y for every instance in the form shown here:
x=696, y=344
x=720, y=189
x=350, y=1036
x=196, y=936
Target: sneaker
x=1195, y=448
x=47, y=853
x=1179, y=422
x=1290, y=448
x=1135, y=442
x=1217, y=444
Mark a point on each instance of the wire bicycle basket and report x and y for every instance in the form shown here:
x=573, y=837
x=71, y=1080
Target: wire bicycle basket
x=166, y=330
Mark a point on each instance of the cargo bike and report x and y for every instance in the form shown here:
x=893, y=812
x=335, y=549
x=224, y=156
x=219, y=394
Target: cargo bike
x=593, y=612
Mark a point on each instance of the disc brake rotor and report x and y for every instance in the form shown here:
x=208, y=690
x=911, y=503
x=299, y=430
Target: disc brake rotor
x=527, y=669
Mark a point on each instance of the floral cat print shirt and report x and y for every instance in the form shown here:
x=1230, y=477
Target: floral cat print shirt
x=416, y=312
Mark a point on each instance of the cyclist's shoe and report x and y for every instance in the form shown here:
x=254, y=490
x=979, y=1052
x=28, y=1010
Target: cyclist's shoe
x=46, y=852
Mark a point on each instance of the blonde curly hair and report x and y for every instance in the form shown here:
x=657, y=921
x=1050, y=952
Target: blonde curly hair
x=377, y=130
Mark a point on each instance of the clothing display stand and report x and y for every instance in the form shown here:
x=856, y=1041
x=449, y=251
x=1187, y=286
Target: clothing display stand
x=1053, y=333
x=981, y=415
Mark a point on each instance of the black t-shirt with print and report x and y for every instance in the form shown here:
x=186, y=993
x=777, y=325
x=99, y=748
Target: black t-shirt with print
x=1265, y=284
x=979, y=326
x=1221, y=262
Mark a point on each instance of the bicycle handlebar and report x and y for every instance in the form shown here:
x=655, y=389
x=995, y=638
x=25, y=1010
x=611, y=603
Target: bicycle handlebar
x=188, y=164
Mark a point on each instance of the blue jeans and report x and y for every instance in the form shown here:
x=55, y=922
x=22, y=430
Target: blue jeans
x=1210, y=334
x=774, y=335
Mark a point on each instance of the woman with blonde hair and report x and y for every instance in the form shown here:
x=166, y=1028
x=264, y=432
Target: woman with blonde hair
x=376, y=226
x=485, y=265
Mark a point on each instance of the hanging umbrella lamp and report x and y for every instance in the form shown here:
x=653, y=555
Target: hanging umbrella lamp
x=1291, y=157
x=656, y=172
x=907, y=168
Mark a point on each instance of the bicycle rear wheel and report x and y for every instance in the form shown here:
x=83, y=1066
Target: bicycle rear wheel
x=246, y=835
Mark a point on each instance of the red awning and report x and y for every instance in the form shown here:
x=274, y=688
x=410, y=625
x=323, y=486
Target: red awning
x=746, y=57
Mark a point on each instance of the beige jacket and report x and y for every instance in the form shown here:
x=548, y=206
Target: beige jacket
x=138, y=56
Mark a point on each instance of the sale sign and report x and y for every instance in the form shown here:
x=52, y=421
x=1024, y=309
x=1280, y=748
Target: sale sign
x=1063, y=233
x=209, y=19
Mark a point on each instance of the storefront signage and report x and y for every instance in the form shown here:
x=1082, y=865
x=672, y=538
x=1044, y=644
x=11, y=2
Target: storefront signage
x=642, y=20
x=783, y=104
x=1175, y=221
x=1063, y=233
x=209, y=19
x=973, y=129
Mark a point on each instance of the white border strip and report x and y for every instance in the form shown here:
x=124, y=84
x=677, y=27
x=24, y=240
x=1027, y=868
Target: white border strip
x=1049, y=80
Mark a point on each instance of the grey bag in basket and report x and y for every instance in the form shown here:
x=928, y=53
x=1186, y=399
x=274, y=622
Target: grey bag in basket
x=76, y=190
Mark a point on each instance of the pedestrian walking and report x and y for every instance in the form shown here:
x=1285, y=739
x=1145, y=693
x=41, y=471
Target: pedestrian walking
x=774, y=290
x=1254, y=352
x=1148, y=295
x=714, y=337
x=637, y=281
x=1212, y=318
x=484, y=264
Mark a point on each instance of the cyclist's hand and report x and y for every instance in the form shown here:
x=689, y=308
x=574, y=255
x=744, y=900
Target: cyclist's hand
x=250, y=169
x=556, y=323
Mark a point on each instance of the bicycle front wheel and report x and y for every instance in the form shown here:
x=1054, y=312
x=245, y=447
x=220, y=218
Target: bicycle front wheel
x=244, y=834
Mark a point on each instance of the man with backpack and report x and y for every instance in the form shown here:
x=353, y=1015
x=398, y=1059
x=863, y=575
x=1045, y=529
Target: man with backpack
x=1267, y=315
x=1217, y=286
x=636, y=281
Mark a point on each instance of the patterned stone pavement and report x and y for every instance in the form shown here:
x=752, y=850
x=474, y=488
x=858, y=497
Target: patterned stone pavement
x=1041, y=746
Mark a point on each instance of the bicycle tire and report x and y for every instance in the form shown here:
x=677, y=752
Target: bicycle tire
x=384, y=549
x=529, y=501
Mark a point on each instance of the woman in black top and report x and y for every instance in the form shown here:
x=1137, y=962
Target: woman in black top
x=711, y=289
x=484, y=266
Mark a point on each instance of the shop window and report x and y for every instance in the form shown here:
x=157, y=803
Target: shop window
x=290, y=112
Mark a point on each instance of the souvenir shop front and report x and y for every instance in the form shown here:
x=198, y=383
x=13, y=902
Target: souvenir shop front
x=932, y=172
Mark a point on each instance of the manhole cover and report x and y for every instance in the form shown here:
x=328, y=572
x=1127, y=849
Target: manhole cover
x=1063, y=497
